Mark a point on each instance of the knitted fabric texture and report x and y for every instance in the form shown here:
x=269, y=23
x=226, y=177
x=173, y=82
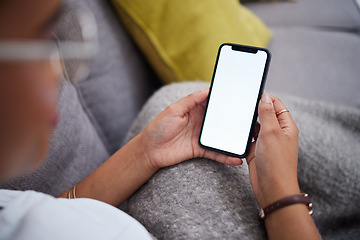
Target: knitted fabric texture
x=203, y=199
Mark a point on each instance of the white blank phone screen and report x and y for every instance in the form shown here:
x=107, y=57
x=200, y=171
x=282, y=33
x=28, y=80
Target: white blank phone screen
x=233, y=98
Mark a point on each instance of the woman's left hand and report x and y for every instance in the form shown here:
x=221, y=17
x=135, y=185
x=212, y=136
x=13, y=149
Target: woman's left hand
x=173, y=136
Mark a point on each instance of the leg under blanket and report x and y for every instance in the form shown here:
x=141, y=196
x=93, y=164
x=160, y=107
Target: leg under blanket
x=203, y=199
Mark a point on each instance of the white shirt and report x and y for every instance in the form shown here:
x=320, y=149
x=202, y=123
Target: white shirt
x=32, y=215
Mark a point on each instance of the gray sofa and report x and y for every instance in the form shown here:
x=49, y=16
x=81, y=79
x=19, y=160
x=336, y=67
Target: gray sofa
x=316, y=55
x=315, y=48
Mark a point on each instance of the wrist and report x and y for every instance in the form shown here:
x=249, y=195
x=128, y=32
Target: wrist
x=274, y=191
x=142, y=155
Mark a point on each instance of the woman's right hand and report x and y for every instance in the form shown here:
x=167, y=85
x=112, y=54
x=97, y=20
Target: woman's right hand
x=273, y=156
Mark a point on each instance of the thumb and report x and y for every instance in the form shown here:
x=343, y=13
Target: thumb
x=186, y=104
x=266, y=113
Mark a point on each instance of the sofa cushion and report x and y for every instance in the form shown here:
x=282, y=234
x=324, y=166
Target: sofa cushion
x=180, y=38
x=317, y=64
x=120, y=80
x=315, y=48
x=309, y=13
x=75, y=150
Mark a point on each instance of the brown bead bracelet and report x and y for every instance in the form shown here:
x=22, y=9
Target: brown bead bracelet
x=295, y=199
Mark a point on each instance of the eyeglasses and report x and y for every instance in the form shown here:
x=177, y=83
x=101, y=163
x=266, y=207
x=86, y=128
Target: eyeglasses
x=73, y=45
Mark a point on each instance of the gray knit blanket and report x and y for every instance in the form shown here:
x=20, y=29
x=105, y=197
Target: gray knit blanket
x=203, y=199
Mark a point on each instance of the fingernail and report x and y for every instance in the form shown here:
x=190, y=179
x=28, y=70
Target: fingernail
x=265, y=98
x=205, y=89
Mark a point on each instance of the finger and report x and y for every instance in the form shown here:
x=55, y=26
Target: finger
x=189, y=102
x=231, y=161
x=256, y=131
x=251, y=154
x=285, y=120
x=222, y=158
x=267, y=114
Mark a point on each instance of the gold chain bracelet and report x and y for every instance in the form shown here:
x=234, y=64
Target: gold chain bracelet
x=73, y=191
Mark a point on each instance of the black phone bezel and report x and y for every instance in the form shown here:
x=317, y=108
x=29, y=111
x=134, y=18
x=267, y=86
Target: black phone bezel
x=242, y=48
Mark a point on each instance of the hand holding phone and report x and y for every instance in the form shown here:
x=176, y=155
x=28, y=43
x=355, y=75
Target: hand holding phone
x=237, y=85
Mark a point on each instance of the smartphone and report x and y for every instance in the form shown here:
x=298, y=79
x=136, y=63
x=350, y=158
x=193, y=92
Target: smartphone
x=237, y=85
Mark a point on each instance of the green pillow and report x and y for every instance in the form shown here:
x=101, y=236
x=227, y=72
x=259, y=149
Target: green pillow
x=180, y=38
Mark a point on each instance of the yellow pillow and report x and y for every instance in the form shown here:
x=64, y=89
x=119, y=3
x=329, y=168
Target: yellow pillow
x=267, y=0
x=180, y=38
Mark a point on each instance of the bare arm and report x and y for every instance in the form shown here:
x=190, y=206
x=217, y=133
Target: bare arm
x=172, y=137
x=272, y=164
x=292, y=222
x=118, y=178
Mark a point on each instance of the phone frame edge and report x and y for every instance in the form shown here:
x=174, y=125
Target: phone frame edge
x=261, y=91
